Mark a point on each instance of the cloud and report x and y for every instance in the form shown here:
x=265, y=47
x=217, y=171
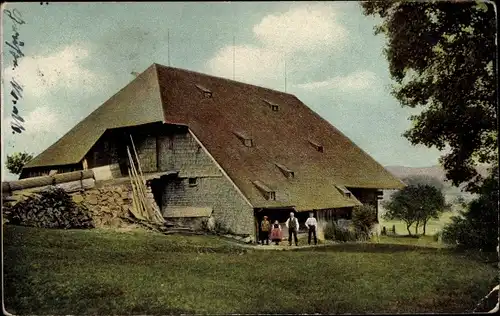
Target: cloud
x=42, y=76
x=253, y=64
x=304, y=28
x=353, y=82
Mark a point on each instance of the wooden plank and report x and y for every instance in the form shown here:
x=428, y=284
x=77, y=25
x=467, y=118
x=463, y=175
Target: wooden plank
x=138, y=186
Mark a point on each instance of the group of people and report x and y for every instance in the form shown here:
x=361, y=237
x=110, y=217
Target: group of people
x=274, y=232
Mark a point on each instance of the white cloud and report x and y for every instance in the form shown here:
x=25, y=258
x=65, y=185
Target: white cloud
x=303, y=30
x=353, y=82
x=311, y=26
x=253, y=64
x=40, y=121
x=41, y=76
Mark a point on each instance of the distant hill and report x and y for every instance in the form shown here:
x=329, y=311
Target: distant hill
x=451, y=192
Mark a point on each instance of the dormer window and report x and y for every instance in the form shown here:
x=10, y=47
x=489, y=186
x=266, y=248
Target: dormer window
x=344, y=191
x=265, y=190
x=275, y=107
x=245, y=139
x=287, y=172
x=206, y=92
x=317, y=146
x=193, y=182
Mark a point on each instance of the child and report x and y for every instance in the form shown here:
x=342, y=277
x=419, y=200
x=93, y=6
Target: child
x=276, y=233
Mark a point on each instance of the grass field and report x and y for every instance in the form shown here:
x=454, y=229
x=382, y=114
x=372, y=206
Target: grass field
x=107, y=272
x=433, y=226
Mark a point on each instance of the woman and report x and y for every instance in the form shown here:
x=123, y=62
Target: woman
x=276, y=233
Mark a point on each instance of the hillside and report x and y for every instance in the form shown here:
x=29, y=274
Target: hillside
x=451, y=192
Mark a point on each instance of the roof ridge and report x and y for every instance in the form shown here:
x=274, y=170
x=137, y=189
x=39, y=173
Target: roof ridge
x=222, y=78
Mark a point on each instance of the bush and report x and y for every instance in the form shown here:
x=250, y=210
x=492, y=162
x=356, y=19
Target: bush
x=221, y=228
x=334, y=232
x=477, y=227
x=364, y=218
x=51, y=208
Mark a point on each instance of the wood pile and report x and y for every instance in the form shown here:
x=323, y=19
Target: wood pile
x=142, y=207
x=52, y=208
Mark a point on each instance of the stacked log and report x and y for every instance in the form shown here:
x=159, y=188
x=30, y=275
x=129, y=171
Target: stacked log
x=52, y=208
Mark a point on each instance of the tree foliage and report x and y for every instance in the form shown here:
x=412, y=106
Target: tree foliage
x=16, y=161
x=442, y=58
x=477, y=227
x=364, y=218
x=415, y=204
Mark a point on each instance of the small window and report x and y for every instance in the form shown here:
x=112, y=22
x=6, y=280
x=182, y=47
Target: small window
x=206, y=92
x=317, y=146
x=247, y=141
x=106, y=146
x=287, y=172
x=272, y=105
x=272, y=195
x=193, y=182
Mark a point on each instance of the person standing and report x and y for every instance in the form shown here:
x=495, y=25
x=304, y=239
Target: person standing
x=292, y=223
x=276, y=233
x=312, y=224
x=265, y=227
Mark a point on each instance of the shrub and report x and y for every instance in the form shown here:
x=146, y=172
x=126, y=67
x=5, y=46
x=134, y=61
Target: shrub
x=333, y=231
x=51, y=208
x=221, y=228
x=364, y=218
x=477, y=227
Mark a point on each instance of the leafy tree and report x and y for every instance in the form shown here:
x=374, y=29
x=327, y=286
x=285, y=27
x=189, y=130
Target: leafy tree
x=16, y=161
x=442, y=58
x=432, y=204
x=415, y=204
x=477, y=227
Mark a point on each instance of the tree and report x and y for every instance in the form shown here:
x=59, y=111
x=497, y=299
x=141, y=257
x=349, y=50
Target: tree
x=415, y=204
x=477, y=227
x=442, y=58
x=399, y=207
x=16, y=161
x=432, y=204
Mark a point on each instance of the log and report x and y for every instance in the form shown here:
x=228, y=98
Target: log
x=73, y=176
x=31, y=183
x=75, y=186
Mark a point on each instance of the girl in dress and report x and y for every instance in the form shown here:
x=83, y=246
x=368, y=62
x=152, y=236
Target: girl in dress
x=276, y=233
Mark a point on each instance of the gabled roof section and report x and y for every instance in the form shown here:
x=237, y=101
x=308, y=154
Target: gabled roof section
x=137, y=103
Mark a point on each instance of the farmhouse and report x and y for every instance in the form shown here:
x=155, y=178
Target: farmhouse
x=215, y=146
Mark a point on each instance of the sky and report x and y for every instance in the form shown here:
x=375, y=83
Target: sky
x=77, y=55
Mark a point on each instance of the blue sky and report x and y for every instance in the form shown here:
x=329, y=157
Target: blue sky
x=77, y=55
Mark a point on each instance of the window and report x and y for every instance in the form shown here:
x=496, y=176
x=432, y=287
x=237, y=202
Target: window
x=247, y=141
x=317, y=146
x=265, y=190
x=206, y=92
x=287, y=172
x=344, y=190
x=275, y=107
x=193, y=182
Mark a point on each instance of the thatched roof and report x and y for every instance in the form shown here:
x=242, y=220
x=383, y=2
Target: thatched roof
x=290, y=135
